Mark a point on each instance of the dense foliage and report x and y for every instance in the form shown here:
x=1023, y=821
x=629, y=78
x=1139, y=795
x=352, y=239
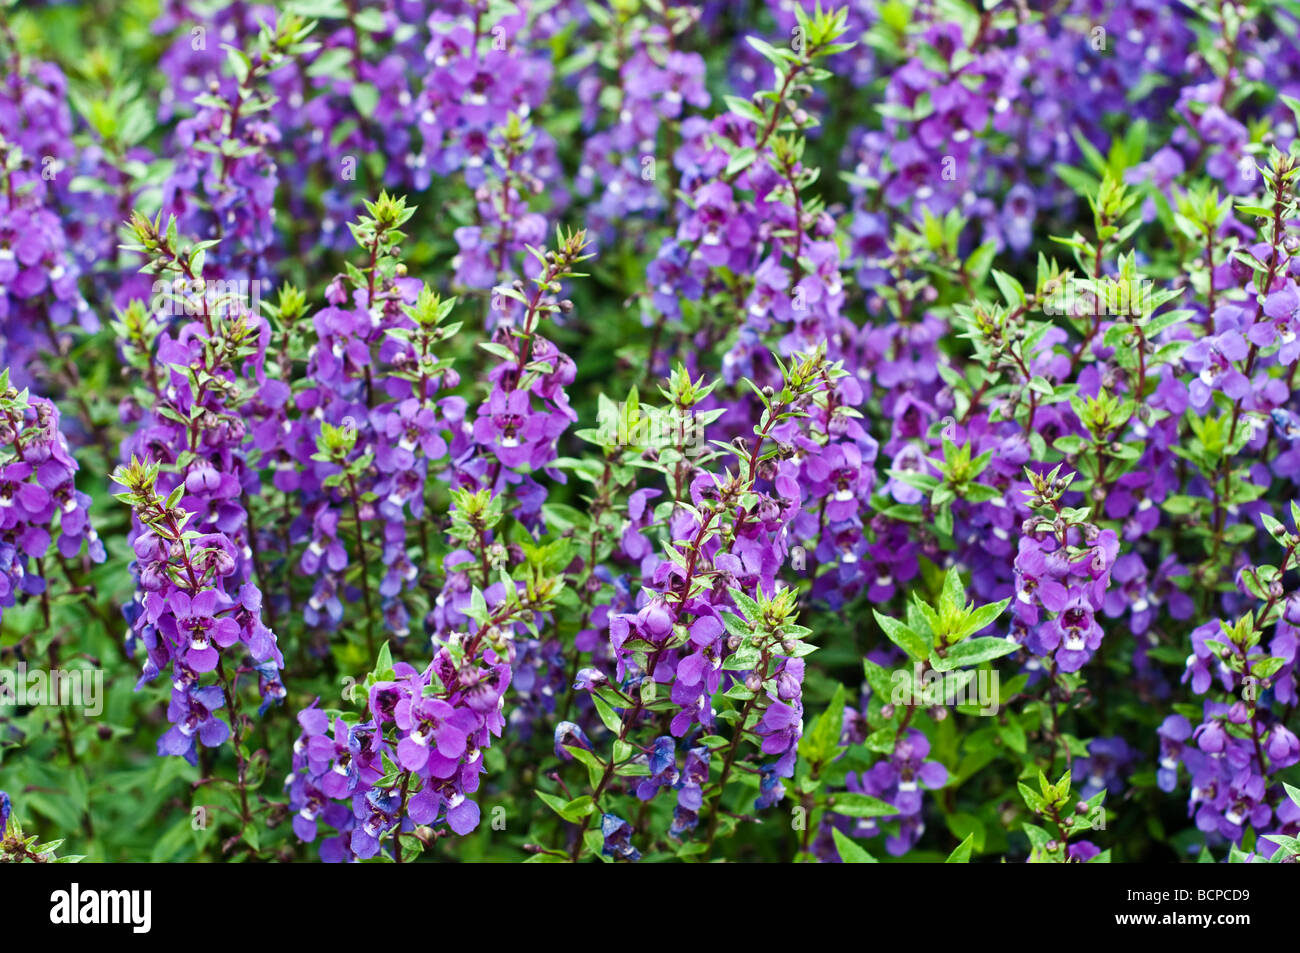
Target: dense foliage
x=649, y=430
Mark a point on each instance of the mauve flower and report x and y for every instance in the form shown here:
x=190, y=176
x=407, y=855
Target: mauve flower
x=431, y=722
x=1283, y=747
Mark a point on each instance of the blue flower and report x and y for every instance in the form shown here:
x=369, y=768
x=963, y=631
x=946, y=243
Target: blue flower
x=618, y=838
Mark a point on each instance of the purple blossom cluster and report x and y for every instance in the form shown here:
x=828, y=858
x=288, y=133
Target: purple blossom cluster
x=44, y=518
x=188, y=484
x=39, y=296
x=429, y=727
x=923, y=424
x=373, y=416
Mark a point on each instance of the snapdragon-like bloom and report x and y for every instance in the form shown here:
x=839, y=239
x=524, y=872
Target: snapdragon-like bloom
x=39, y=296
x=960, y=305
x=433, y=724
x=42, y=513
x=1060, y=589
x=198, y=595
x=899, y=781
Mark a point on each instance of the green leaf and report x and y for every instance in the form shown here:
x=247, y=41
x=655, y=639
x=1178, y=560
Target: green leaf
x=741, y=161
x=1293, y=793
x=1263, y=668
x=973, y=652
x=851, y=804
x=849, y=851
x=954, y=593
x=595, y=767
x=594, y=841
x=907, y=640
x=1274, y=527
x=961, y=854
x=821, y=742
x=365, y=97
x=573, y=811
x=983, y=616
x=1033, y=799
x=879, y=678
x=1012, y=290
x=384, y=661
x=981, y=259
x=751, y=609
x=370, y=20
x=607, y=714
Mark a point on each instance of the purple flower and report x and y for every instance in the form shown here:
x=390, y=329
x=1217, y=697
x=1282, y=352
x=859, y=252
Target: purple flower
x=617, y=834
x=1072, y=636
x=191, y=714
x=431, y=723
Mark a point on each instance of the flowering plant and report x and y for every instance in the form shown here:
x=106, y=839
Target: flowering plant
x=560, y=431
